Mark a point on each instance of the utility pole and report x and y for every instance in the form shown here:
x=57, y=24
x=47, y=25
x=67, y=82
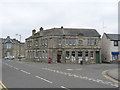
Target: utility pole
x=19, y=47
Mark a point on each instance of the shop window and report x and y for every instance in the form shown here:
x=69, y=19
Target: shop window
x=46, y=54
x=86, y=53
x=67, y=55
x=79, y=54
x=91, y=55
x=73, y=53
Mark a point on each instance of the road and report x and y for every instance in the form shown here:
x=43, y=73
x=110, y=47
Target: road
x=22, y=74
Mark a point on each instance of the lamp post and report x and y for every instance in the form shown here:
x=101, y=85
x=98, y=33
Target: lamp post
x=19, y=47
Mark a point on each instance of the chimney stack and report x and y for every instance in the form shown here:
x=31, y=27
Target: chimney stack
x=61, y=27
x=33, y=32
x=41, y=30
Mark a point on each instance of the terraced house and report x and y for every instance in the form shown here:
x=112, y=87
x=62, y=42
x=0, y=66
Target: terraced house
x=12, y=47
x=65, y=45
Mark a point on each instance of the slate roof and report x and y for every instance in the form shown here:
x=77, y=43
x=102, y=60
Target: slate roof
x=71, y=31
x=9, y=40
x=68, y=32
x=113, y=36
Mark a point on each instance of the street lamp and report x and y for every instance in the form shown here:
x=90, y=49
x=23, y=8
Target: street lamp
x=19, y=47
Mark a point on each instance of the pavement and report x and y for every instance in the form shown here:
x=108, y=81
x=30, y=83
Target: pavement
x=113, y=73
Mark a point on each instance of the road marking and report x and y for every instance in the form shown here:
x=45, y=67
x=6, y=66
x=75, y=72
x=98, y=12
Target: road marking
x=83, y=77
x=3, y=86
x=74, y=69
x=43, y=79
x=10, y=66
x=25, y=72
x=107, y=77
x=15, y=68
x=0, y=87
x=64, y=87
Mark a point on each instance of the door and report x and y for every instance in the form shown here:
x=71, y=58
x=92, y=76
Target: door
x=59, y=56
x=97, y=57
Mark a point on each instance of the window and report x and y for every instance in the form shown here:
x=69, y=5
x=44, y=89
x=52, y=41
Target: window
x=115, y=57
x=115, y=43
x=91, y=54
x=43, y=54
x=40, y=54
x=95, y=42
x=80, y=42
x=8, y=46
x=43, y=42
x=46, y=42
x=74, y=41
x=92, y=41
x=73, y=53
x=67, y=41
x=79, y=54
x=67, y=55
x=36, y=42
x=70, y=41
x=88, y=41
x=59, y=41
x=73, y=56
x=46, y=54
x=86, y=53
x=36, y=54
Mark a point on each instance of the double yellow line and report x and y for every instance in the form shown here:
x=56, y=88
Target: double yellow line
x=2, y=86
x=107, y=77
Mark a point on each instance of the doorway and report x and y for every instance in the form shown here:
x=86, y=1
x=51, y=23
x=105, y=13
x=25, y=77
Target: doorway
x=59, y=54
x=97, y=57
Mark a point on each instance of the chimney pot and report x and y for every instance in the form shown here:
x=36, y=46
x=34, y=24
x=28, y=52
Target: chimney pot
x=61, y=27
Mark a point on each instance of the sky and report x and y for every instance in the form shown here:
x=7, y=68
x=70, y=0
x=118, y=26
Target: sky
x=22, y=16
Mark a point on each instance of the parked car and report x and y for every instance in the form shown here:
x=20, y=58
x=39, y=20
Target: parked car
x=9, y=57
x=21, y=57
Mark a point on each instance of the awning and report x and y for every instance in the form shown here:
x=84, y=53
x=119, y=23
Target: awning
x=115, y=52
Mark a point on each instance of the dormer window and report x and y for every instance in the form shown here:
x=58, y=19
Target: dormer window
x=115, y=43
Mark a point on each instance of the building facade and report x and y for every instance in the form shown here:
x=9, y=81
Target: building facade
x=12, y=47
x=65, y=45
x=110, y=48
x=0, y=48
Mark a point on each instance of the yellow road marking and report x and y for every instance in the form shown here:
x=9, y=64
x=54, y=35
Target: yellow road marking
x=107, y=77
x=3, y=86
x=0, y=86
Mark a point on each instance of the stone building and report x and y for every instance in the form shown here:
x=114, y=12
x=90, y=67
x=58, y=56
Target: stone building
x=0, y=48
x=66, y=45
x=12, y=47
x=110, y=48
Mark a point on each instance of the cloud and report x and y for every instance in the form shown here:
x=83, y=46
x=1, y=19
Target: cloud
x=23, y=16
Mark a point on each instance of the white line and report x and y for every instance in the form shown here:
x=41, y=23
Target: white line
x=25, y=72
x=15, y=68
x=43, y=79
x=64, y=87
x=10, y=66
